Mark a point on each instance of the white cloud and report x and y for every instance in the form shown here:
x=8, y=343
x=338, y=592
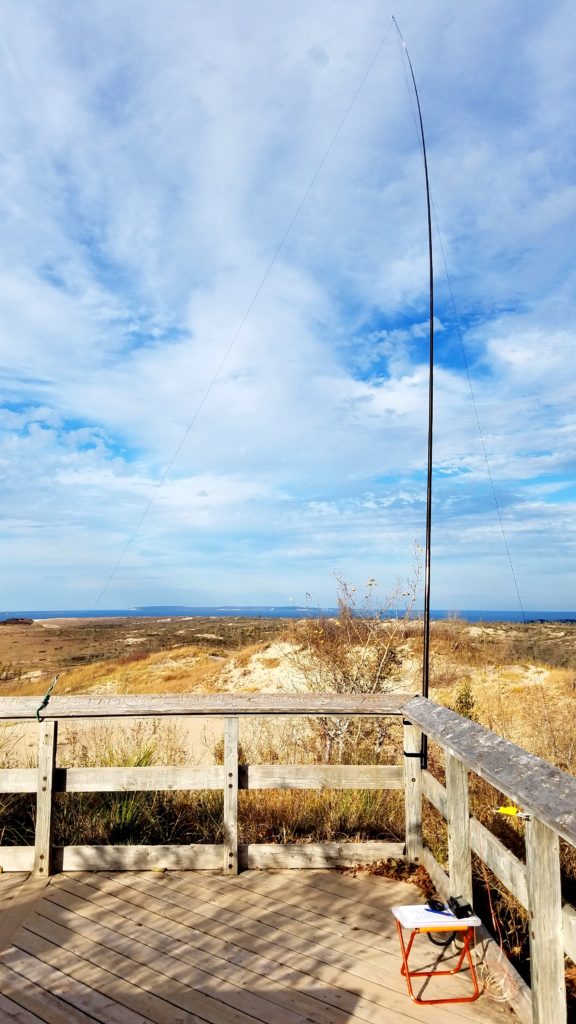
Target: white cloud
x=153, y=160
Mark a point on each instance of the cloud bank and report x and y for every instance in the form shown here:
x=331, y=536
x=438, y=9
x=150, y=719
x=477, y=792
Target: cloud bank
x=152, y=162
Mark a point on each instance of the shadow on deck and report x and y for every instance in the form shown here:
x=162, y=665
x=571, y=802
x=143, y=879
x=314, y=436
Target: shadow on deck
x=280, y=948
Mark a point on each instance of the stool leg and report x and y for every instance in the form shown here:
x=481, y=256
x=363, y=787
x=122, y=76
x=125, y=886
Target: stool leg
x=408, y=974
x=465, y=952
x=472, y=968
x=405, y=954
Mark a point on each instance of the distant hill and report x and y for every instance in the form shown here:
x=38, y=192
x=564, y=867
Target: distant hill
x=279, y=611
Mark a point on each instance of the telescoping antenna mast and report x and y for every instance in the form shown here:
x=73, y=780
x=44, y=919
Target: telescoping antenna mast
x=426, y=643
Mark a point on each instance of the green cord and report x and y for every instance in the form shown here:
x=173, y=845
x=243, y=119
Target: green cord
x=46, y=698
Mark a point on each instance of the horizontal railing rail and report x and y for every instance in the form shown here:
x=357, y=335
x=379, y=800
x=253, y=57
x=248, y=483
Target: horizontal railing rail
x=166, y=779
x=206, y=705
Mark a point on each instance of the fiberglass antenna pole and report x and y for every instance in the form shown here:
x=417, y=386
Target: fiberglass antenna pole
x=426, y=641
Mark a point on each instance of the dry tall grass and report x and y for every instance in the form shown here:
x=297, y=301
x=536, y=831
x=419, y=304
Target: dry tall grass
x=180, y=670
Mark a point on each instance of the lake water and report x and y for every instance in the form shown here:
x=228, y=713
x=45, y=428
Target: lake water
x=277, y=612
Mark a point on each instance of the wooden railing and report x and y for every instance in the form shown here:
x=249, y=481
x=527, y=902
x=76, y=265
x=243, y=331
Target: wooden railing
x=545, y=793
x=229, y=778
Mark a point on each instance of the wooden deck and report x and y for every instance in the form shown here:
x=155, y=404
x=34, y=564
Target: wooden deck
x=153, y=948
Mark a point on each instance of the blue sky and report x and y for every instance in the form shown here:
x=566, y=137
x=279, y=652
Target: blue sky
x=152, y=158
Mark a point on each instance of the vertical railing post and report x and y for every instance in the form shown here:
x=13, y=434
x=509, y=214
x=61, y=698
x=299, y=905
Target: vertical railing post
x=413, y=791
x=545, y=911
x=44, y=800
x=458, y=818
x=231, y=796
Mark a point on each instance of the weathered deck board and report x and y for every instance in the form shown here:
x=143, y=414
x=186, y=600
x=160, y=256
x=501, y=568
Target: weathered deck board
x=10, y=1011
x=233, y=949
x=169, y=948
x=11, y=881
x=18, y=897
x=234, y=984
x=317, y=909
x=290, y=935
x=43, y=1004
x=372, y=973
x=278, y=916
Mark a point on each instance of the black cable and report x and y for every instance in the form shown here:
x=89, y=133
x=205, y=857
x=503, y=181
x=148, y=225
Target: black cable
x=433, y=937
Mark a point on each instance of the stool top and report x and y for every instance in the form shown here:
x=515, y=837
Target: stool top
x=419, y=916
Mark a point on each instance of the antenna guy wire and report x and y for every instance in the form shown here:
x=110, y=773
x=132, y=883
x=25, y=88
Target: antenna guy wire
x=245, y=317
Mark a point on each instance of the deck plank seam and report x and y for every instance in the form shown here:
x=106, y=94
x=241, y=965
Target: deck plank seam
x=285, y=963
x=47, y=993
x=250, y=977
x=174, y=955
x=359, y=970
x=312, y=981
x=297, y=914
x=233, y=911
x=124, y=965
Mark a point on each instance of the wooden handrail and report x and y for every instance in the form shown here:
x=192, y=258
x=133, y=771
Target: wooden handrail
x=537, y=786
x=209, y=704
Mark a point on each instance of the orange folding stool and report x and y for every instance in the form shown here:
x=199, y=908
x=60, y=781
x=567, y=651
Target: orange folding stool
x=419, y=920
